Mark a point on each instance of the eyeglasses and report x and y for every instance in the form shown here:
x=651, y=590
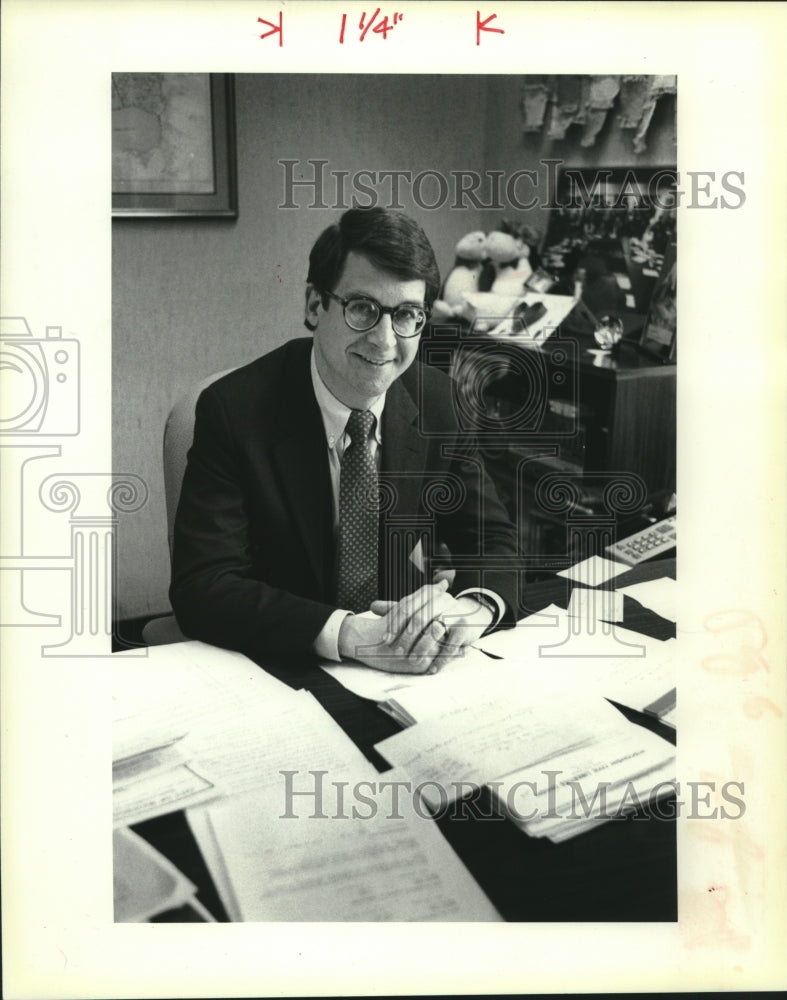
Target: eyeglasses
x=361, y=313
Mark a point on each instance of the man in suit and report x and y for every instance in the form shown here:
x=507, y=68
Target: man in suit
x=326, y=475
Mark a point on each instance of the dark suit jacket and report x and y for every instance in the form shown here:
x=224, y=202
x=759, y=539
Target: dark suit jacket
x=253, y=553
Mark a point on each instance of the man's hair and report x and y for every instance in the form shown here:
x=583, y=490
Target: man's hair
x=391, y=241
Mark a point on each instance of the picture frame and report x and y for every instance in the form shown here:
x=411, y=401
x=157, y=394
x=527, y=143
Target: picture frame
x=173, y=145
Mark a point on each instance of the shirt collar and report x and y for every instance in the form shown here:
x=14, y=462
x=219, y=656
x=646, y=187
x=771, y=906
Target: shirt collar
x=335, y=414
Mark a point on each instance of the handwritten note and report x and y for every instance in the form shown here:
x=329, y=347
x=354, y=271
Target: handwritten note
x=471, y=745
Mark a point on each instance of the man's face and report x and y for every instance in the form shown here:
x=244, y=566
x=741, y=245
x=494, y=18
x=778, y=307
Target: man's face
x=360, y=367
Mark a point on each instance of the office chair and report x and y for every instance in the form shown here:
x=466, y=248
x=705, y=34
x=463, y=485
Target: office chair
x=178, y=435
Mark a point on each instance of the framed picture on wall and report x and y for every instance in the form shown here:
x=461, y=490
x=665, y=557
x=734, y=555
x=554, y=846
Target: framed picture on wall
x=173, y=145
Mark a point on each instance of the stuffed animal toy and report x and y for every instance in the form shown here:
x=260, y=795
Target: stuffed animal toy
x=464, y=275
x=509, y=257
x=530, y=237
x=463, y=279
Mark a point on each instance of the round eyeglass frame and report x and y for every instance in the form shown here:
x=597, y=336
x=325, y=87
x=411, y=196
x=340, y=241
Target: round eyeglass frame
x=381, y=311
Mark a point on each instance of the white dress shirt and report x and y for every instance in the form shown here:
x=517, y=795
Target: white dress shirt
x=334, y=417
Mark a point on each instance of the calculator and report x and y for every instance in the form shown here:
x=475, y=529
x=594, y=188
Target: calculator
x=651, y=541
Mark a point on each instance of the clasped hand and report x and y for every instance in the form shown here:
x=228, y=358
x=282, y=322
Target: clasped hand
x=417, y=634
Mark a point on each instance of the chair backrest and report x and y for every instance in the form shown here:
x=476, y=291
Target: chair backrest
x=178, y=436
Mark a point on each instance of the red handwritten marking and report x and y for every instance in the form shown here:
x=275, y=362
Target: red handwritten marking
x=740, y=842
x=728, y=663
x=747, y=632
x=371, y=22
x=275, y=30
x=757, y=705
x=483, y=26
x=377, y=27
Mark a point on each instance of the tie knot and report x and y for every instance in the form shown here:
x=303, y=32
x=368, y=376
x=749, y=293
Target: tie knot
x=360, y=424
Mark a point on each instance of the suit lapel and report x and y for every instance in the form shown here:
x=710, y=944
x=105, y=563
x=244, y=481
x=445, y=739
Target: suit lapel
x=402, y=528
x=404, y=449
x=300, y=455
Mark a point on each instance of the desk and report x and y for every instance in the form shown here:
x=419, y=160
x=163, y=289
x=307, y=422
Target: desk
x=625, y=870
x=562, y=408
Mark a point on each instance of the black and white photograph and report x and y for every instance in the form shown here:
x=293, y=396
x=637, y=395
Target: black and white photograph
x=343, y=454
x=498, y=561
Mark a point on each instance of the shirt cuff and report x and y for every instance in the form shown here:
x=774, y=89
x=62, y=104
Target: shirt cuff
x=326, y=645
x=491, y=596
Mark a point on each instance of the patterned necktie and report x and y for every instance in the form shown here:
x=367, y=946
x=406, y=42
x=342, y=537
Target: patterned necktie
x=358, y=517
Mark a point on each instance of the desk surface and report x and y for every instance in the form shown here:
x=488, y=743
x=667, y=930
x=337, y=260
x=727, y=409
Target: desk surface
x=626, y=870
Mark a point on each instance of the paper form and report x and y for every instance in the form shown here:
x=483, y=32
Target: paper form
x=474, y=744
x=354, y=869
x=241, y=757
x=161, y=697
x=411, y=705
x=659, y=595
x=621, y=801
x=231, y=753
x=159, y=794
x=231, y=727
x=539, y=802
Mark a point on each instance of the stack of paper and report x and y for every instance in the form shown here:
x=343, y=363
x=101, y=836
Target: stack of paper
x=272, y=861
x=537, y=738
x=193, y=723
x=588, y=786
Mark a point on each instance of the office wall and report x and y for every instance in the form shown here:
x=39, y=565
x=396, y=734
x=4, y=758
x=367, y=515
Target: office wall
x=508, y=149
x=194, y=297
x=198, y=296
